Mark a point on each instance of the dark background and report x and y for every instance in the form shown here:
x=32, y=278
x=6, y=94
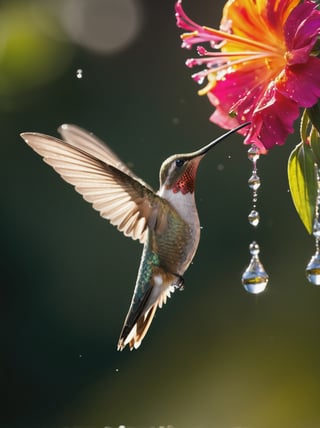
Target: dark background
x=215, y=356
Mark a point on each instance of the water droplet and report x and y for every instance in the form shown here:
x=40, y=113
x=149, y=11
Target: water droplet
x=254, y=181
x=255, y=278
x=254, y=248
x=254, y=218
x=313, y=269
x=316, y=229
x=253, y=153
x=79, y=73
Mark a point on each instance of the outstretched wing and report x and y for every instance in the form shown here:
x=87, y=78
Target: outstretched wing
x=89, y=143
x=100, y=177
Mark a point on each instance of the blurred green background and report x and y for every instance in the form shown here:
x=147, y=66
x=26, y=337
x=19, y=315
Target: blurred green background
x=215, y=356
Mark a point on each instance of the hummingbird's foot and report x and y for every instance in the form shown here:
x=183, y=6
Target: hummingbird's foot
x=179, y=285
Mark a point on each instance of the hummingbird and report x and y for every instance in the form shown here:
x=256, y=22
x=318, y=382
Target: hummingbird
x=166, y=222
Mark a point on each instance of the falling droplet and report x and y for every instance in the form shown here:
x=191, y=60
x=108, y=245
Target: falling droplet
x=253, y=153
x=254, y=182
x=255, y=278
x=254, y=218
x=316, y=229
x=313, y=269
x=79, y=73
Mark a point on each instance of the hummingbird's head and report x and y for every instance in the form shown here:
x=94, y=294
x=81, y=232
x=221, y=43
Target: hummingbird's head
x=178, y=172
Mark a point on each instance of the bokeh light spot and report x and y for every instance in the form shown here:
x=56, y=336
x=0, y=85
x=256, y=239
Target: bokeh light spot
x=104, y=26
x=28, y=57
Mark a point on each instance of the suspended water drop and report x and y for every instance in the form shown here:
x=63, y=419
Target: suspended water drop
x=255, y=278
x=254, y=249
x=316, y=229
x=253, y=153
x=79, y=73
x=254, y=218
x=313, y=269
x=254, y=182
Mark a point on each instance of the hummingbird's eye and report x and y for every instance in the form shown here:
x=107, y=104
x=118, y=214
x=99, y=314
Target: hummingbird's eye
x=179, y=162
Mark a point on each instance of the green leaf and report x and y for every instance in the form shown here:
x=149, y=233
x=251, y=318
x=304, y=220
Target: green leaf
x=304, y=126
x=303, y=183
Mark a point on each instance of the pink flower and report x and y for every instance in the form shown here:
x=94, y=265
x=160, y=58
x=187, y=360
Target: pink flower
x=265, y=69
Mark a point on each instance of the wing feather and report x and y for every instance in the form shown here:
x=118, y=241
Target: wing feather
x=100, y=177
x=88, y=142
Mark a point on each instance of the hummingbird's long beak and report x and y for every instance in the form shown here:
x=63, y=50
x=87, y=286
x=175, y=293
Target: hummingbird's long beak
x=213, y=143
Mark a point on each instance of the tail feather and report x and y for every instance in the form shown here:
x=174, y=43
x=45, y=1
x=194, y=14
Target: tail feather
x=139, y=318
x=134, y=337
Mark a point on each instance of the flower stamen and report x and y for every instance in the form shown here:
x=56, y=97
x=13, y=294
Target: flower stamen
x=265, y=69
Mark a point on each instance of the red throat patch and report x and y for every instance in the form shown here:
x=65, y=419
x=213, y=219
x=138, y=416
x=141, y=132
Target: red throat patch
x=186, y=182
